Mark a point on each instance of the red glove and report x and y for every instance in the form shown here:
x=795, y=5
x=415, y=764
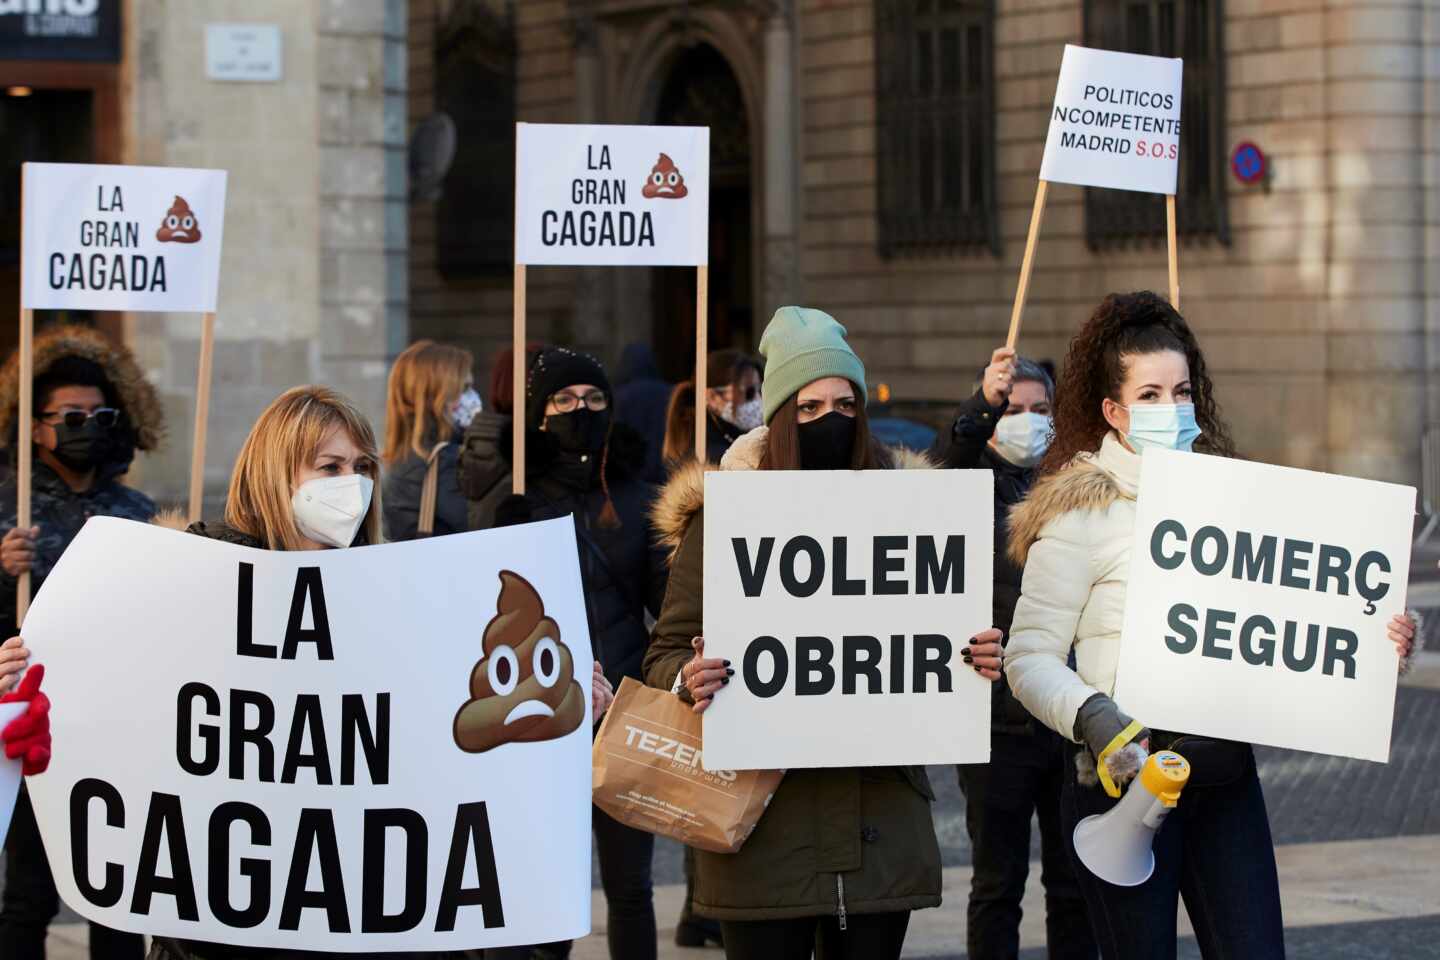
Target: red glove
x=27, y=737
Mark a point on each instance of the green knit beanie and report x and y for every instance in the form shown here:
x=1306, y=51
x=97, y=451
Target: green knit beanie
x=801, y=345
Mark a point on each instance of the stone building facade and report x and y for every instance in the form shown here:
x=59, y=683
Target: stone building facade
x=1316, y=293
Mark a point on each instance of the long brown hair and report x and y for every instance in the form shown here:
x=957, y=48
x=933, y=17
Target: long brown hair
x=426, y=379
x=1125, y=325
x=723, y=368
x=285, y=438
x=782, y=447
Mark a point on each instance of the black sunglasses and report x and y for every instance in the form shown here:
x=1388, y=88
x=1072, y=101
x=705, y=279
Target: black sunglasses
x=75, y=419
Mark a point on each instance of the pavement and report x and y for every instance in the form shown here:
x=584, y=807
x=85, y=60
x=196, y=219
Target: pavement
x=1357, y=844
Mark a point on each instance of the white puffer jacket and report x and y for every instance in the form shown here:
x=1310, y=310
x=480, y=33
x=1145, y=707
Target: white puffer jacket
x=1072, y=537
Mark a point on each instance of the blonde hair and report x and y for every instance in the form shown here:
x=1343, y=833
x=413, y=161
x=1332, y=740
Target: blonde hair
x=286, y=438
x=425, y=380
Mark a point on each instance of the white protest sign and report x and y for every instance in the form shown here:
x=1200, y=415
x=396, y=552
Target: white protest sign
x=9, y=770
x=1116, y=121
x=101, y=237
x=1258, y=603
x=612, y=195
x=843, y=600
x=373, y=749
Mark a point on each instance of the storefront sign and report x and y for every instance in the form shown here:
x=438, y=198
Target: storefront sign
x=60, y=30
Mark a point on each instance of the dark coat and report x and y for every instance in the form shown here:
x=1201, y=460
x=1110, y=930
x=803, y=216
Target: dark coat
x=483, y=469
x=641, y=401
x=851, y=839
x=622, y=568
x=60, y=512
x=404, y=485
x=967, y=447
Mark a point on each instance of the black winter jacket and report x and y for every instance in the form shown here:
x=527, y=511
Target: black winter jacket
x=623, y=569
x=483, y=471
x=968, y=447
x=404, y=485
x=60, y=512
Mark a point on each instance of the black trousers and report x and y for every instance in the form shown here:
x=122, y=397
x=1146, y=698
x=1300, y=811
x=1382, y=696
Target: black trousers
x=31, y=901
x=870, y=936
x=624, y=854
x=1025, y=775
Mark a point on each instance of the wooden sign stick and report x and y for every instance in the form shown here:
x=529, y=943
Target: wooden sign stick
x=517, y=371
x=1174, y=251
x=1037, y=215
x=202, y=417
x=518, y=368
x=702, y=356
x=23, y=429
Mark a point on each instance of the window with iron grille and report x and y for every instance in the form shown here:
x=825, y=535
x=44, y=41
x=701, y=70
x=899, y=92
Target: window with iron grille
x=1193, y=30
x=935, y=137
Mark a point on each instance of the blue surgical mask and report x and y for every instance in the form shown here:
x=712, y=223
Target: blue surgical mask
x=1166, y=426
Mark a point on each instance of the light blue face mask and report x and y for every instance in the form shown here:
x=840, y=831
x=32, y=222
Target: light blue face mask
x=1166, y=426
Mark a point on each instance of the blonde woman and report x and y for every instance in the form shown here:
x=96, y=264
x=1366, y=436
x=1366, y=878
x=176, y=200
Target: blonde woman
x=430, y=401
x=305, y=480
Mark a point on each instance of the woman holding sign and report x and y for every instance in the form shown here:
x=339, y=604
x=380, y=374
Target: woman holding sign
x=841, y=856
x=305, y=479
x=1135, y=377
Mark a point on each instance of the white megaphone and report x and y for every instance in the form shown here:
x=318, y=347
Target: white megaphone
x=1116, y=845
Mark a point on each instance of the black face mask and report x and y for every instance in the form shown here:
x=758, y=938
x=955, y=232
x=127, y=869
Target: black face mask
x=83, y=448
x=827, y=443
x=580, y=431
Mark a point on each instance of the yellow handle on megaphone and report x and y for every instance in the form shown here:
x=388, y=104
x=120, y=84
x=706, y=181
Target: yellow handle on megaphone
x=1165, y=775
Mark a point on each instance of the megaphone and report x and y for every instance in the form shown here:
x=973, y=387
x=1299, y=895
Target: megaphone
x=1116, y=845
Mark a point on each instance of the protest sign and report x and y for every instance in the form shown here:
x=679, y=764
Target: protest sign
x=1258, y=603
x=844, y=599
x=105, y=237
x=377, y=749
x=101, y=237
x=1116, y=122
x=611, y=195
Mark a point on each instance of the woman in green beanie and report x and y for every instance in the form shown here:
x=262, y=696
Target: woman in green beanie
x=841, y=855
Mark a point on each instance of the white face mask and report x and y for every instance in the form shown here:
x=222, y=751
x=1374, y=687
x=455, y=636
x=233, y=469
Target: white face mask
x=464, y=410
x=1023, y=438
x=330, y=510
x=749, y=415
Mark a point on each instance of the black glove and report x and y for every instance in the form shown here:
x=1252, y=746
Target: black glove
x=514, y=509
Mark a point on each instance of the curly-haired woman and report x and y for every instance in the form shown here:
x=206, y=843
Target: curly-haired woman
x=1135, y=377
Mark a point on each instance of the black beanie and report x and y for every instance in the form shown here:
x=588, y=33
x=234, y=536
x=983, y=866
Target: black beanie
x=555, y=369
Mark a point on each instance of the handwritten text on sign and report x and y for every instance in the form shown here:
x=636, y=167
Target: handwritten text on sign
x=1116, y=121
x=612, y=195
x=1259, y=613
x=279, y=773
x=844, y=599
x=101, y=237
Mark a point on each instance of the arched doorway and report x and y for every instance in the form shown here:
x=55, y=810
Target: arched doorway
x=702, y=90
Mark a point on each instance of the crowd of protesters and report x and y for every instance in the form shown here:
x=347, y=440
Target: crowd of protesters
x=617, y=453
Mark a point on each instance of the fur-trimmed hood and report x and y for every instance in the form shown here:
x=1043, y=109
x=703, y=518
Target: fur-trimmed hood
x=1093, y=481
x=136, y=395
x=683, y=495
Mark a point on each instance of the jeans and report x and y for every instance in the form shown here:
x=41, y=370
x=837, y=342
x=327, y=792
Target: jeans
x=1025, y=775
x=31, y=901
x=867, y=936
x=1214, y=849
x=625, y=854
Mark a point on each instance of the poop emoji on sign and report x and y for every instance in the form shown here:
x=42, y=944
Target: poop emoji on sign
x=179, y=225
x=665, y=181
x=524, y=688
